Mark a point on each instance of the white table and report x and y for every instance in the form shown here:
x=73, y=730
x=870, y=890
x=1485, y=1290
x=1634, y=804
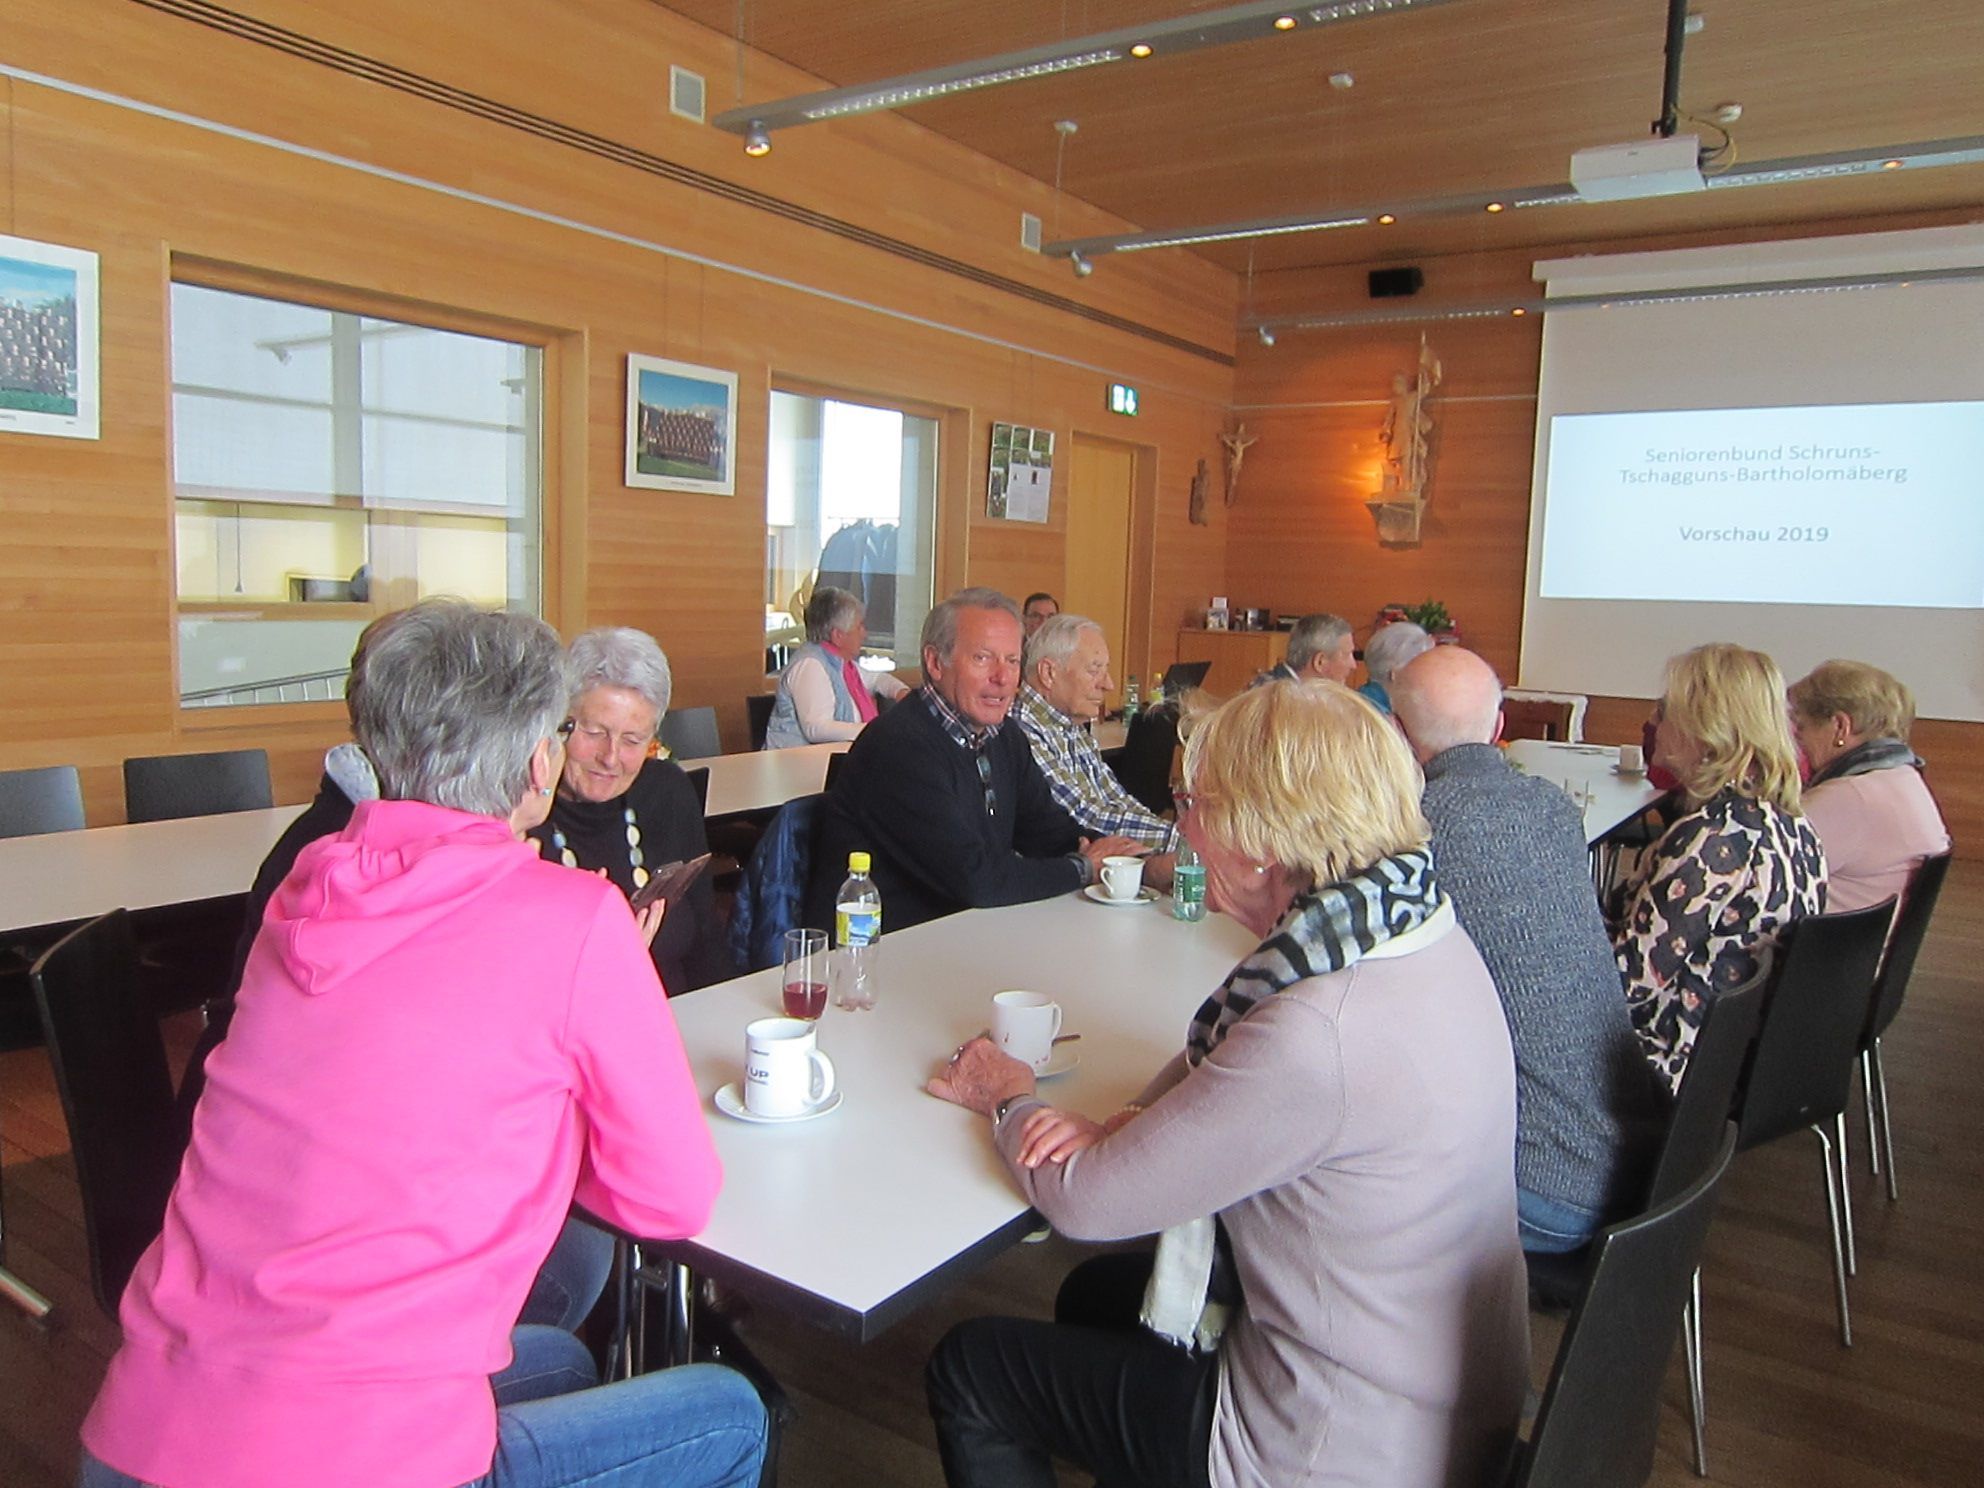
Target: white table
x=64, y=876
x=1615, y=798
x=855, y=1218
x=1111, y=733
x=764, y=779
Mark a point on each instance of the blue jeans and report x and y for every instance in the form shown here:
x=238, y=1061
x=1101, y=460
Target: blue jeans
x=699, y=1426
x=571, y=1278
x=1552, y=1227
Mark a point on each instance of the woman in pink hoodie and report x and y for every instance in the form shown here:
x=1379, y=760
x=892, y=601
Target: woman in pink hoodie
x=440, y=1042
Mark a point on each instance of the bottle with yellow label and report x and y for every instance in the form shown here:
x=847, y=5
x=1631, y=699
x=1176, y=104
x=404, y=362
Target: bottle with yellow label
x=857, y=936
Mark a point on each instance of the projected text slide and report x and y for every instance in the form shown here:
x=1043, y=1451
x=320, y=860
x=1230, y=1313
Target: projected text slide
x=1862, y=504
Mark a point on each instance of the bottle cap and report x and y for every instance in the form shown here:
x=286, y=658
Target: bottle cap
x=857, y=862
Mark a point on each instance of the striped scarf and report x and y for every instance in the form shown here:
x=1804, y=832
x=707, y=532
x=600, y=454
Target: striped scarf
x=1324, y=930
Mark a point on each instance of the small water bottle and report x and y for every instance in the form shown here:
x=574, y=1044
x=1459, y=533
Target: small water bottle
x=1188, y=883
x=1130, y=700
x=857, y=936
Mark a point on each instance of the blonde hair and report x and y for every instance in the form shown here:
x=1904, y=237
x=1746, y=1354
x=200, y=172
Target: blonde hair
x=1308, y=775
x=1730, y=701
x=1879, y=705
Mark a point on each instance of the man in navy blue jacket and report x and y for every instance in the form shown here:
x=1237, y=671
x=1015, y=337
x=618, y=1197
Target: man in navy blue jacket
x=944, y=796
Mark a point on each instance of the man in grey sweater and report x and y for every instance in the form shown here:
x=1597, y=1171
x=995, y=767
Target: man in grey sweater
x=1510, y=851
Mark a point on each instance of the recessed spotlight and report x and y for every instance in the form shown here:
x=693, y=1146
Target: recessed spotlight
x=1140, y=50
x=1385, y=219
x=1891, y=165
x=1494, y=206
x=757, y=141
x=1266, y=335
x=1082, y=267
x=1343, y=82
x=1518, y=311
x=1284, y=23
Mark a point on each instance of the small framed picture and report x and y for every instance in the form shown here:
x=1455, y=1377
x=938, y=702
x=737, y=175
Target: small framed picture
x=48, y=340
x=681, y=426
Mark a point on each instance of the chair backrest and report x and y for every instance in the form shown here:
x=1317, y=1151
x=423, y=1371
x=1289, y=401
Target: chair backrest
x=771, y=895
x=116, y=1087
x=758, y=710
x=162, y=787
x=1911, y=923
x=699, y=782
x=1701, y=1109
x=690, y=733
x=1534, y=718
x=1144, y=763
x=1600, y=1415
x=49, y=799
x=1816, y=1009
x=835, y=764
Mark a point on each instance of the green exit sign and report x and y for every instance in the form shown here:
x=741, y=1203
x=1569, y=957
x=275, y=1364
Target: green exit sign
x=1122, y=399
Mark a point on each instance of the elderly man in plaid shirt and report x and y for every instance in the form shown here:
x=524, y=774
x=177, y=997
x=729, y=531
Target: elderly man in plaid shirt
x=1064, y=678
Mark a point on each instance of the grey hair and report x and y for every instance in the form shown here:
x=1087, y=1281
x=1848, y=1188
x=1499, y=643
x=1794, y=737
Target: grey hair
x=1313, y=635
x=455, y=701
x=829, y=610
x=940, y=626
x=620, y=656
x=1055, y=641
x=1391, y=647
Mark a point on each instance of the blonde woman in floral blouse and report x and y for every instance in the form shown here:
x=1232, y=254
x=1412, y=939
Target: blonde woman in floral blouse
x=1710, y=901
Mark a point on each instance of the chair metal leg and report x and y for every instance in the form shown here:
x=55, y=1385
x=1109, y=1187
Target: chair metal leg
x=1838, y=1250
x=637, y=1332
x=24, y=1296
x=1887, y=1130
x=1846, y=1194
x=1867, y=1093
x=1691, y=1342
x=681, y=1299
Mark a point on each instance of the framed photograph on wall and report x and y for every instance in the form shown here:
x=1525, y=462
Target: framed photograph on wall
x=1021, y=476
x=48, y=340
x=681, y=426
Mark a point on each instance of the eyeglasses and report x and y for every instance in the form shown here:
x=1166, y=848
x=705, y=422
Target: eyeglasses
x=600, y=740
x=564, y=730
x=985, y=779
x=1187, y=800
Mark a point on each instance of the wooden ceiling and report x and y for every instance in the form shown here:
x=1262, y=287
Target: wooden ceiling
x=1472, y=96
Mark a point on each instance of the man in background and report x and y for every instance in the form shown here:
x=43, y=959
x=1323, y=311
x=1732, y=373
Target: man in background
x=1320, y=648
x=1039, y=607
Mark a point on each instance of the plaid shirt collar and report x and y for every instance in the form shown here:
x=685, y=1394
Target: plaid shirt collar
x=954, y=723
x=1037, y=710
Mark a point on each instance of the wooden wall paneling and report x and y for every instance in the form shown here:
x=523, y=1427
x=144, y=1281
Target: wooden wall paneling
x=87, y=558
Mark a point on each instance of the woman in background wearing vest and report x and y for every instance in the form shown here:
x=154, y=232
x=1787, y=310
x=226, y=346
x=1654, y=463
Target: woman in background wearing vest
x=823, y=696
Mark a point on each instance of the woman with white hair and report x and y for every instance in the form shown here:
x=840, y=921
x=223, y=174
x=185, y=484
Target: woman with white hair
x=1390, y=647
x=440, y=1043
x=622, y=813
x=824, y=695
x=1338, y=1296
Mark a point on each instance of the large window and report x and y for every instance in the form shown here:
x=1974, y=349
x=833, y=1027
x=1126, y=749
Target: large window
x=850, y=501
x=329, y=467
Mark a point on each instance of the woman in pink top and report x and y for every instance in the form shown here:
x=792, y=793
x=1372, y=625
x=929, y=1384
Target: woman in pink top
x=1866, y=796
x=440, y=1042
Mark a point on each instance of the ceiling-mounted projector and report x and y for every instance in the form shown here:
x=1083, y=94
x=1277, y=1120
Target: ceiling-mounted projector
x=1654, y=167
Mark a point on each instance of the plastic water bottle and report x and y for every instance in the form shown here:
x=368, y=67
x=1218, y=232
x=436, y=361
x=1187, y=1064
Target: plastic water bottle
x=1188, y=883
x=857, y=936
x=1130, y=701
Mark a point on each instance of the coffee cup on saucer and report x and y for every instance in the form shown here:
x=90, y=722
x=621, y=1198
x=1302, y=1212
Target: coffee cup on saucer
x=1632, y=759
x=1024, y=1025
x=785, y=1074
x=1122, y=877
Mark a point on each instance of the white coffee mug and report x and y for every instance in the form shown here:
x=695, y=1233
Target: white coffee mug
x=785, y=1074
x=1122, y=877
x=1024, y=1025
x=1632, y=758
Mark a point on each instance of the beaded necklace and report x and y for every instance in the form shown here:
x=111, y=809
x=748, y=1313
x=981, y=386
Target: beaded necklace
x=634, y=856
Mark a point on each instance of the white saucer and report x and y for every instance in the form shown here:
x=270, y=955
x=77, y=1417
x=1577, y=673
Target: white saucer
x=1101, y=896
x=730, y=1101
x=1065, y=1057
x=1639, y=774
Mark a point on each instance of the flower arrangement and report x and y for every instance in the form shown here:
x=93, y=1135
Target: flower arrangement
x=1430, y=615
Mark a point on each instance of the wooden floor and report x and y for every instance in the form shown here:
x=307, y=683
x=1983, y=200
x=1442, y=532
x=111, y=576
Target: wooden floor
x=1787, y=1404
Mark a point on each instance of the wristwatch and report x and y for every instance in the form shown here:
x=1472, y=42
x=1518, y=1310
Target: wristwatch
x=999, y=1111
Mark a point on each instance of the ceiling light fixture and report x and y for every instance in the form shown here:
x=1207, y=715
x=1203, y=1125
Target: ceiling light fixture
x=1284, y=23
x=1214, y=28
x=1266, y=335
x=1497, y=206
x=756, y=141
x=1082, y=267
x=1385, y=219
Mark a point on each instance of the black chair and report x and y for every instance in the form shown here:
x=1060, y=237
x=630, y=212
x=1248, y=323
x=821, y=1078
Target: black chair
x=690, y=733
x=1696, y=1118
x=163, y=787
x=1802, y=1075
x=32, y=802
x=1600, y=1417
x=1911, y=924
x=758, y=710
x=116, y=1088
x=699, y=781
x=835, y=764
x=1143, y=764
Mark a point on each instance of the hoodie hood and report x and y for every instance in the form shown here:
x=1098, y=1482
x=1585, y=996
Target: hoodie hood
x=398, y=869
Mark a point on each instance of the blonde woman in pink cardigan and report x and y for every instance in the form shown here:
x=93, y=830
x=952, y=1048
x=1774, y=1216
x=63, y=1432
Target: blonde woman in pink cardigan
x=1866, y=797
x=440, y=1042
